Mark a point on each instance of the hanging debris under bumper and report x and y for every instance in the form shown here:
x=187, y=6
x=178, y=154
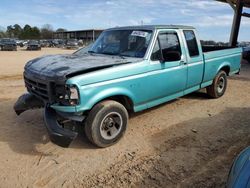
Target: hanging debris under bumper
x=58, y=135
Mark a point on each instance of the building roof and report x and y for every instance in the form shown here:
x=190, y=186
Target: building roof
x=83, y=30
x=246, y=3
x=153, y=27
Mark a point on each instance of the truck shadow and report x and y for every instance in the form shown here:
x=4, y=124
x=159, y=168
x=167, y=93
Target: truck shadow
x=198, y=95
x=26, y=133
x=198, y=152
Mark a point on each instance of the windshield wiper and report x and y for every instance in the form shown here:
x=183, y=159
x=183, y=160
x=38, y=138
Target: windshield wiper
x=121, y=56
x=91, y=52
x=108, y=53
x=114, y=54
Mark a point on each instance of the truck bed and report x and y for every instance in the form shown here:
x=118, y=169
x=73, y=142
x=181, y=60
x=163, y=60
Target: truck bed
x=216, y=59
x=209, y=48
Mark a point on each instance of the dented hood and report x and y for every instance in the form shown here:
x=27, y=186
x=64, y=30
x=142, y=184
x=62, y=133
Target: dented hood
x=61, y=67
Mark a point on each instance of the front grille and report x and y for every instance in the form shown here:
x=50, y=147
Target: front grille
x=37, y=88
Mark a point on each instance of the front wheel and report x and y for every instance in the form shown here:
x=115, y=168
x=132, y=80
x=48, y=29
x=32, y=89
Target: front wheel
x=219, y=86
x=106, y=123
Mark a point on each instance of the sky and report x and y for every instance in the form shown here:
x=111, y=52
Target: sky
x=212, y=19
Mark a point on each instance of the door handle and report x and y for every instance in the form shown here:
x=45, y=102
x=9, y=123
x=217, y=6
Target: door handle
x=183, y=62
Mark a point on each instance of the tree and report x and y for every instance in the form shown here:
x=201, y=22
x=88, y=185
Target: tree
x=10, y=31
x=61, y=30
x=47, y=31
x=17, y=30
x=2, y=32
x=35, y=33
x=27, y=30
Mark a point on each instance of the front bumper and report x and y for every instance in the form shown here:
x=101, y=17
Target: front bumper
x=58, y=135
x=26, y=102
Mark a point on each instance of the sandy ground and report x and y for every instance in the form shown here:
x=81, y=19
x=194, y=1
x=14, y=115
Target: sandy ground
x=189, y=142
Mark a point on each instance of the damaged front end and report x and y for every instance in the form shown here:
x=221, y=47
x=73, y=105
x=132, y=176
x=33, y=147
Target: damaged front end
x=57, y=133
x=27, y=102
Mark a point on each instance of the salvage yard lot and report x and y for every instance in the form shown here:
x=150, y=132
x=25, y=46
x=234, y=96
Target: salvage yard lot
x=189, y=142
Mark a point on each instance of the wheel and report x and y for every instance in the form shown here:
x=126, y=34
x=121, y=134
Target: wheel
x=219, y=86
x=106, y=123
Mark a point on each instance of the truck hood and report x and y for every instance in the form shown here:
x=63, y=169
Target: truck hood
x=61, y=67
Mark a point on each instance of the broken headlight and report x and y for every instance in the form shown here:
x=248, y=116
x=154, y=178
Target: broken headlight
x=68, y=96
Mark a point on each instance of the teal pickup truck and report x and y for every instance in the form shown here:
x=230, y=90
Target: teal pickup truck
x=127, y=69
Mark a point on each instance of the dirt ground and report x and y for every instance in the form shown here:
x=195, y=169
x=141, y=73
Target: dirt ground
x=189, y=142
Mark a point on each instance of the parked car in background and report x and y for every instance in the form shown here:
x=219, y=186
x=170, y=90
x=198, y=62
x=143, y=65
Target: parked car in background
x=127, y=69
x=72, y=44
x=8, y=44
x=246, y=53
x=61, y=43
x=80, y=43
x=239, y=175
x=20, y=43
x=33, y=45
x=44, y=43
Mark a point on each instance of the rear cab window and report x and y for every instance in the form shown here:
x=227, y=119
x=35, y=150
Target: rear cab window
x=191, y=42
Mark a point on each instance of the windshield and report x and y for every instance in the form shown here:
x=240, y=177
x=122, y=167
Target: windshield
x=131, y=43
x=83, y=50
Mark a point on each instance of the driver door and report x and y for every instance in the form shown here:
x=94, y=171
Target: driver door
x=168, y=68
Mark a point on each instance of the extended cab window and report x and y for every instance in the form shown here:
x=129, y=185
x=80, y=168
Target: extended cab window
x=191, y=43
x=167, y=47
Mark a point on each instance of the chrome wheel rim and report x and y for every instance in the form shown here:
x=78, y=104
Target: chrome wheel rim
x=221, y=84
x=111, y=125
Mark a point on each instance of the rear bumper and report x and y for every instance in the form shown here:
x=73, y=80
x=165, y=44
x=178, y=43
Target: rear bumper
x=58, y=135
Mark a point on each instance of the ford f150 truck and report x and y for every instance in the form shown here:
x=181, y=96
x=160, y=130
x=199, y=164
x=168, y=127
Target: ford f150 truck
x=127, y=69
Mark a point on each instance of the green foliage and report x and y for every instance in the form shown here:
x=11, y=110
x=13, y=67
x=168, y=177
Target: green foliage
x=28, y=32
x=17, y=30
x=3, y=34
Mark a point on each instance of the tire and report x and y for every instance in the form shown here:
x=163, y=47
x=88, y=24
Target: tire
x=100, y=126
x=219, y=86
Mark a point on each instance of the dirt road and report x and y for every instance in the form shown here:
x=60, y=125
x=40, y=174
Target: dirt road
x=189, y=142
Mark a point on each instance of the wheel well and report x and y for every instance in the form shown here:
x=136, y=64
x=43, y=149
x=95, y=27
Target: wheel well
x=124, y=100
x=226, y=69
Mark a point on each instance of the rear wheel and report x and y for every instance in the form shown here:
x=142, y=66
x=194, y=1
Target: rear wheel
x=218, y=88
x=106, y=123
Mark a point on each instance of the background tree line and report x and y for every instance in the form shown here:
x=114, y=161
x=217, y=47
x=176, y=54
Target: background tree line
x=29, y=32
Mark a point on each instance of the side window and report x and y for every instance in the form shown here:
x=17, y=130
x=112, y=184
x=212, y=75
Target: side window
x=191, y=43
x=156, y=54
x=167, y=46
